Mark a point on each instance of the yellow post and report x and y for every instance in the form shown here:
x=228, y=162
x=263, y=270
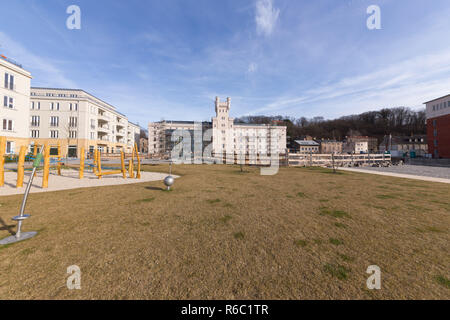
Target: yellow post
x=122, y=161
x=59, y=159
x=46, y=166
x=130, y=168
x=20, y=167
x=94, y=169
x=2, y=160
x=138, y=172
x=99, y=164
x=81, y=163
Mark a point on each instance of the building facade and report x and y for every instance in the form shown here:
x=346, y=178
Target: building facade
x=307, y=146
x=360, y=144
x=15, y=97
x=227, y=137
x=438, y=127
x=77, y=119
x=330, y=146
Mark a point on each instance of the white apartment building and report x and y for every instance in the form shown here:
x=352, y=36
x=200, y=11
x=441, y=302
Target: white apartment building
x=227, y=137
x=77, y=119
x=15, y=101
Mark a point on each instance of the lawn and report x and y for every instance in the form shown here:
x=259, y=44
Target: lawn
x=304, y=233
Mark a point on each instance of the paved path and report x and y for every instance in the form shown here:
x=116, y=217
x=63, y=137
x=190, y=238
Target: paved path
x=398, y=175
x=69, y=180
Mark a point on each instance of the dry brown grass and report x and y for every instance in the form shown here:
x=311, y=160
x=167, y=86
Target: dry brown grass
x=221, y=234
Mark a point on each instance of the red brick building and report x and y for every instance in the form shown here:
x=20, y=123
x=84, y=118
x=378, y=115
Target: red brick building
x=438, y=127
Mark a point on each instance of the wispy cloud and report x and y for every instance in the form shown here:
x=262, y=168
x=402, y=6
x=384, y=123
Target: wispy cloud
x=407, y=83
x=266, y=17
x=49, y=74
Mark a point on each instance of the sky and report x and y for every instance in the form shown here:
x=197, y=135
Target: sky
x=169, y=59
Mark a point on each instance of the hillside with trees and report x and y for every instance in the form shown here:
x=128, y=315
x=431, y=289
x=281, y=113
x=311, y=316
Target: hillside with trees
x=396, y=121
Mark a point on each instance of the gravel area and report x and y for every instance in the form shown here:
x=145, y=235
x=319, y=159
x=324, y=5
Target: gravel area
x=423, y=171
x=69, y=180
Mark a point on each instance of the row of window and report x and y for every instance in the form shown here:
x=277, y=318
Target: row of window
x=54, y=134
x=54, y=121
x=54, y=106
x=441, y=106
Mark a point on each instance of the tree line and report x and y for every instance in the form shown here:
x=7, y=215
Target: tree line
x=400, y=121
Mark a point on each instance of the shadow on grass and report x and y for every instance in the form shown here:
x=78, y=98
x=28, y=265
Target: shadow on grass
x=9, y=228
x=155, y=188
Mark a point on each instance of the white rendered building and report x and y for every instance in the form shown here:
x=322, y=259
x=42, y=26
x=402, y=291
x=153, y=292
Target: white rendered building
x=77, y=119
x=227, y=137
x=15, y=101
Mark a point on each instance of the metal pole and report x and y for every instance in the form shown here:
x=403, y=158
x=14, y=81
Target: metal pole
x=22, y=216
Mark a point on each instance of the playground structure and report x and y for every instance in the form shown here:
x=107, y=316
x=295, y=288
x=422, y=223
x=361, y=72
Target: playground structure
x=57, y=162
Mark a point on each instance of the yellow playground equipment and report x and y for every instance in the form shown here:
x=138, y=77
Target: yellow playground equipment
x=56, y=162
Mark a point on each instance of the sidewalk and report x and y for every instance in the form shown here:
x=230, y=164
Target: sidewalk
x=398, y=175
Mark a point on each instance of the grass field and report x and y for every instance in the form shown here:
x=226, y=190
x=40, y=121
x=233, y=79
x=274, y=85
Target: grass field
x=221, y=234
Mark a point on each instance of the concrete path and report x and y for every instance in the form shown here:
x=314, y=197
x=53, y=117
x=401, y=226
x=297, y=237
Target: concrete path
x=69, y=180
x=398, y=175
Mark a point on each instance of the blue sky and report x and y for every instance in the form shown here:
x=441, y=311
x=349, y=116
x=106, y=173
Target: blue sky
x=168, y=59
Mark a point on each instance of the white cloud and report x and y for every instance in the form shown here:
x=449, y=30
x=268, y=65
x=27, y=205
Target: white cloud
x=407, y=83
x=266, y=17
x=49, y=74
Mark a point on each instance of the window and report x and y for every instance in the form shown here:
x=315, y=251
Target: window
x=32, y=105
x=8, y=102
x=9, y=147
x=54, y=134
x=92, y=135
x=73, y=121
x=8, y=125
x=9, y=81
x=72, y=134
x=52, y=106
x=34, y=134
x=35, y=121
x=54, y=121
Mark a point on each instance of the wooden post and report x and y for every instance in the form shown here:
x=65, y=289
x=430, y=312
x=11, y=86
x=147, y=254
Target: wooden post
x=58, y=166
x=138, y=172
x=20, y=167
x=94, y=168
x=2, y=160
x=82, y=163
x=130, y=169
x=46, y=166
x=122, y=161
x=99, y=164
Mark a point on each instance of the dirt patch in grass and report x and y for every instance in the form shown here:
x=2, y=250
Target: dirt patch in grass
x=235, y=242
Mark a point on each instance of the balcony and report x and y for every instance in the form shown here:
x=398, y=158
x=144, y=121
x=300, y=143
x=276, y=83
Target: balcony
x=103, y=117
x=103, y=128
x=120, y=133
